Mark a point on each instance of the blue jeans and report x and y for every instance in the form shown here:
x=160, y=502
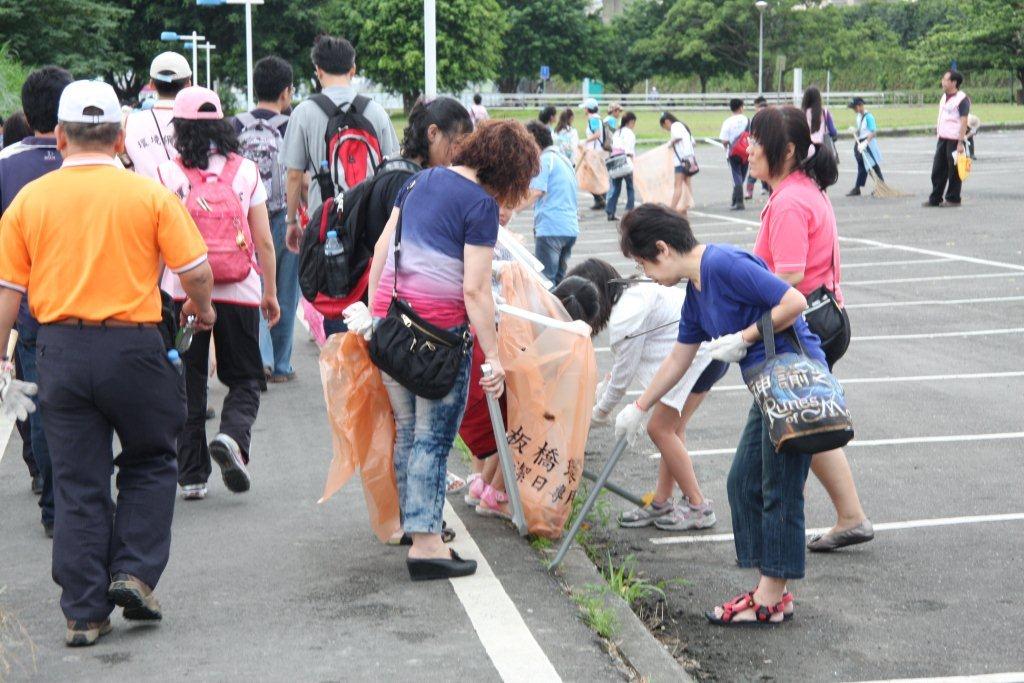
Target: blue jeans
x=425, y=432
x=766, y=496
x=26, y=350
x=276, y=343
x=613, y=196
x=554, y=253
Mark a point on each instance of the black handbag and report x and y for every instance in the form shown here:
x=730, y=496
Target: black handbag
x=824, y=315
x=802, y=403
x=422, y=357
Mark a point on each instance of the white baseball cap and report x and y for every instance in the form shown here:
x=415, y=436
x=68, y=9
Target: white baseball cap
x=89, y=102
x=169, y=66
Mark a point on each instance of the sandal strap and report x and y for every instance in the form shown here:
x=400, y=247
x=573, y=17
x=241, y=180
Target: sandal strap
x=738, y=604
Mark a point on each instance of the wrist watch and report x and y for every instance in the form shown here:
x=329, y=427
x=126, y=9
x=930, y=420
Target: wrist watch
x=291, y=221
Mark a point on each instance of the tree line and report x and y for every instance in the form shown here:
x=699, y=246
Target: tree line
x=698, y=44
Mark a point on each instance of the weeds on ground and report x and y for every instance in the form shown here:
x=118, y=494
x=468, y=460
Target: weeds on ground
x=596, y=614
x=463, y=449
x=13, y=635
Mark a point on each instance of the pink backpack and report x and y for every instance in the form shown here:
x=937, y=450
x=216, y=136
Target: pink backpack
x=222, y=221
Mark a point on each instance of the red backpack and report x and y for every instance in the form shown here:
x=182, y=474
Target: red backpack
x=353, y=148
x=741, y=147
x=222, y=221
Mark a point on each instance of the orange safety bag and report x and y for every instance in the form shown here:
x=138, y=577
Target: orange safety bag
x=551, y=377
x=362, y=427
x=591, y=173
x=654, y=178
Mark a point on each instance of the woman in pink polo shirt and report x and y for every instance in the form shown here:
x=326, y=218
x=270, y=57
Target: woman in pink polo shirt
x=799, y=242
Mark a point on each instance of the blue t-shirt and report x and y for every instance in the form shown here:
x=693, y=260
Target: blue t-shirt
x=20, y=164
x=736, y=290
x=612, y=122
x=557, y=211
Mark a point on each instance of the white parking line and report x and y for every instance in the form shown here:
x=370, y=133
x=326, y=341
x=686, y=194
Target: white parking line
x=884, y=526
x=930, y=278
x=873, y=443
x=1009, y=677
x=938, y=302
x=513, y=650
x=908, y=262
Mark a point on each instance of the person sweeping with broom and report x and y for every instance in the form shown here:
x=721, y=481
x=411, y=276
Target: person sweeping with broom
x=865, y=150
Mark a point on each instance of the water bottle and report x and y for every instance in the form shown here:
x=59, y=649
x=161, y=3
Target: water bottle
x=185, y=334
x=337, y=265
x=175, y=358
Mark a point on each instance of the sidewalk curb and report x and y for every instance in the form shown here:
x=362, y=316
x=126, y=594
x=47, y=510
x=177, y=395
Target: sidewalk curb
x=635, y=644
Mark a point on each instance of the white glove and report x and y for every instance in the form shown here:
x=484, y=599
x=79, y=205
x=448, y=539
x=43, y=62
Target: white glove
x=628, y=423
x=15, y=395
x=358, y=319
x=730, y=349
x=601, y=386
x=600, y=418
x=862, y=145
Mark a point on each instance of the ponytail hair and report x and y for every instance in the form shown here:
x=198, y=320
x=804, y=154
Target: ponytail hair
x=775, y=128
x=812, y=103
x=447, y=113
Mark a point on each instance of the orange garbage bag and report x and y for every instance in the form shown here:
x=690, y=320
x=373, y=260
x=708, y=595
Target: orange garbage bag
x=551, y=376
x=591, y=173
x=654, y=178
x=362, y=429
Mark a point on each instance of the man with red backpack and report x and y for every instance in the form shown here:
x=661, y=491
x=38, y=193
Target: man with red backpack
x=336, y=135
x=735, y=135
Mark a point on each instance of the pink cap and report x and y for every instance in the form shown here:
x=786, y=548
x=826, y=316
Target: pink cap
x=197, y=104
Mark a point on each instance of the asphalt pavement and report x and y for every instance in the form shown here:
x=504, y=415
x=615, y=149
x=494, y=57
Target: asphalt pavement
x=936, y=384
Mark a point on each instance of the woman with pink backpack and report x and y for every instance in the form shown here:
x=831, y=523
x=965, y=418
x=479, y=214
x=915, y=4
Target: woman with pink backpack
x=227, y=199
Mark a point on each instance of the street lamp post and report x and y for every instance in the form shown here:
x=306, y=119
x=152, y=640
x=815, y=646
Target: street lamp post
x=206, y=46
x=248, y=37
x=192, y=39
x=761, y=6
x=430, y=48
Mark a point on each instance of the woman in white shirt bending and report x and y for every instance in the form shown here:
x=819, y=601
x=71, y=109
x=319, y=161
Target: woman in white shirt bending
x=686, y=158
x=623, y=142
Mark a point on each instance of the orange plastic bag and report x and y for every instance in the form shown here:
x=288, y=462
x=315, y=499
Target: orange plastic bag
x=362, y=427
x=591, y=173
x=654, y=178
x=551, y=376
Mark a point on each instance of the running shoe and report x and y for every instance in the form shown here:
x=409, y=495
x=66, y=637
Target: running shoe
x=225, y=452
x=645, y=516
x=686, y=517
x=193, y=491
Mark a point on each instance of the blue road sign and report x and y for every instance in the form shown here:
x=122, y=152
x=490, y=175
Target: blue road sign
x=545, y=73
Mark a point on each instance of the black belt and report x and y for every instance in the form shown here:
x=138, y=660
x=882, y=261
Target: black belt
x=109, y=322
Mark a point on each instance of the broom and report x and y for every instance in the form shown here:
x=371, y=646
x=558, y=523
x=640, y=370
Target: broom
x=882, y=189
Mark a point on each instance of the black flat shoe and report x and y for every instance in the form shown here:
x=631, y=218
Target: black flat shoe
x=430, y=569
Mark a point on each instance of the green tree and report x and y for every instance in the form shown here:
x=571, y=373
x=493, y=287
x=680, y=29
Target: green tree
x=555, y=33
x=625, y=59
x=388, y=36
x=12, y=76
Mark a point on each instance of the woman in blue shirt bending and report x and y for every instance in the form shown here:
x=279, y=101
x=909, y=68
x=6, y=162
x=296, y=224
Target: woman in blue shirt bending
x=728, y=292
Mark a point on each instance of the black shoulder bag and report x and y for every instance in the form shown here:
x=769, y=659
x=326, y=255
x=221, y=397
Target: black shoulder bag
x=824, y=315
x=422, y=357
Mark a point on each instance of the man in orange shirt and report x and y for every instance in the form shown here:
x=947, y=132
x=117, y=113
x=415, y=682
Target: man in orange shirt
x=104, y=367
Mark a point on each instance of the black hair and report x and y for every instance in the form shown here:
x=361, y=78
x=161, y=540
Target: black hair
x=168, y=90
x=270, y=77
x=646, y=225
x=447, y=113
x=956, y=77
x=735, y=104
x=40, y=96
x=776, y=127
x=812, y=101
x=760, y=99
x=333, y=55
x=565, y=120
x=541, y=134
x=16, y=128
x=603, y=275
x=581, y=299
x=667, y=117
x=547, y=115
x=477, y=98
x=197, y=140
x=91, y=135
x=627, y=118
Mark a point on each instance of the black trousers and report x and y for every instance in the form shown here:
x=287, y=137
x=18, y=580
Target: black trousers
x=240, y=367
x=944, y=175
x=93, y=382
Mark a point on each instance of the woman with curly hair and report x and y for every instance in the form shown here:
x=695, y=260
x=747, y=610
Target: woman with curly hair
x=209, y=153
x=449, y=225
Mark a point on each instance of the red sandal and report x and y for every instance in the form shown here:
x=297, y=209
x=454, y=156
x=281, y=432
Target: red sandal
x=763, y=613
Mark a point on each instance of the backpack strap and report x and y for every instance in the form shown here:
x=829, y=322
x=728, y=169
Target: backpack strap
x=277, y=121
x=246, y=119
x=230, y=170
x=160, y=132
x=359, y=104
x=195, y=176
x=325, y=103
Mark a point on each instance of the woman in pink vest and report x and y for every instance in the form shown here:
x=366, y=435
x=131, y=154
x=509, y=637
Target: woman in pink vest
x=952, y=132
x=799, y=242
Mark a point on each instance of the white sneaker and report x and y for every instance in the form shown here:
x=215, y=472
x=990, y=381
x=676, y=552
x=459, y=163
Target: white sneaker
x=193, y=491
x=225, y=452
x=686, y=517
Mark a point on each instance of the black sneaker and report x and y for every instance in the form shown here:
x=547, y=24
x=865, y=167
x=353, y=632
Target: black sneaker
x=855, y=192
x=225, y=452
x=135, y=597
x=613, y=218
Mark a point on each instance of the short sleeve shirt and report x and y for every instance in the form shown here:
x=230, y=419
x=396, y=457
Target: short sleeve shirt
x=251, y=191
x=736, y=290
x=556, y=213
x=441, y=212
x=799, y=234
x=594, y=125
x=733, y=127
x=625, y=141
x=102, y=260
x=683, y=147
x=149, y=138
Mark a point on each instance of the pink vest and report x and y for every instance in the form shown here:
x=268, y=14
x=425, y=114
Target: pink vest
x=948, y=126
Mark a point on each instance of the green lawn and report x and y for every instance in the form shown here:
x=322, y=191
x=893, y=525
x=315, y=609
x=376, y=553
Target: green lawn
x=708, y=123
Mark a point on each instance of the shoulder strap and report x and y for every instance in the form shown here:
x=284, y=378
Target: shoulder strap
x=194, y=176
x=398, y=235
x=325, y=103
x=230, y=170
x=160, y=132
x=277, y=121
x=246, y=119
x=359, y=104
